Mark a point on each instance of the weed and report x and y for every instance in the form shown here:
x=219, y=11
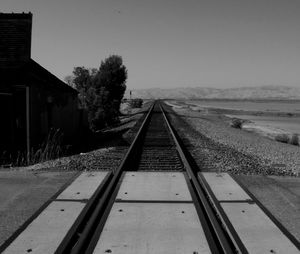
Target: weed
x=50, y=149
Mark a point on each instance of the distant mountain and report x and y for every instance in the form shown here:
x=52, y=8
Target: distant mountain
x=262, y=92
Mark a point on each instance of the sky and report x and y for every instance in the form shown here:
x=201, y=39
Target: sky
x=170, y=43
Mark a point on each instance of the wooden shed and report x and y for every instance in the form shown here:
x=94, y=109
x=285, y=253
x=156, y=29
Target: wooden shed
x=32, y=100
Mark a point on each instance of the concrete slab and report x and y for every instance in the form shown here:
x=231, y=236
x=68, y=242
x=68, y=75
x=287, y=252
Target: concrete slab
x=154, y=186
x=280, y=195
x=224, y=187
x=258, y=233
x=22, y=193
x=84, y=186
x=160, y=228
x=46, y=232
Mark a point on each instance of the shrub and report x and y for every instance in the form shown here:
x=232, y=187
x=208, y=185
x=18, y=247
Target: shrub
x=136, y=103
x=237, y=123
x=283, y=138
x=294, y=139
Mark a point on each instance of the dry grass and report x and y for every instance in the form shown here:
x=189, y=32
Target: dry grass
x=50, y=149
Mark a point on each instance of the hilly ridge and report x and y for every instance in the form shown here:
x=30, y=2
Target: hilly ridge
x=262, y=92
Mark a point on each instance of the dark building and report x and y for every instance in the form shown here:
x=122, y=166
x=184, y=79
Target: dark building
x=32, y=100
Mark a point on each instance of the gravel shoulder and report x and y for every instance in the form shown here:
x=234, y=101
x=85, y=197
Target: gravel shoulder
x=268, y=169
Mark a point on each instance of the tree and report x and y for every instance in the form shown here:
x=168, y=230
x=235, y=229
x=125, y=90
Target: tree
x=69, y=80
x=112, y=75
x=109, y=87
x=82, y=81
x=101, y=91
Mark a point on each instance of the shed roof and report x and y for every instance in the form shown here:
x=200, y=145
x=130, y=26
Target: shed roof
x=31, y=70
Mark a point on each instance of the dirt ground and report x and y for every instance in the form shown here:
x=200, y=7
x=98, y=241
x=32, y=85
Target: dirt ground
x=24, y=192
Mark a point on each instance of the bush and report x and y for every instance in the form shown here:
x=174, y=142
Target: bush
x=136, y=103
x=237, y=123
x=283, y=138
x=294, y=139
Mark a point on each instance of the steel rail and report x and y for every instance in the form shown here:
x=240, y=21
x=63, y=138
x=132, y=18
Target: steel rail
x=226, y=241
x=83, y=241
x=75, y=242
x=217, y=239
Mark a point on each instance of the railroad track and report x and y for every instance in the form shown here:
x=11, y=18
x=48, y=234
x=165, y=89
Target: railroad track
x=156, y=154
x=155, y=148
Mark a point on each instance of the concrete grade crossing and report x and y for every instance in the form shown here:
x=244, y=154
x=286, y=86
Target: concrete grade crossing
x=154, y=186
x=47, y=230
x=257, y=232
x=84, y=186
x=45, y=233
x=224, y=187
x=160, y=228
x=153, y=213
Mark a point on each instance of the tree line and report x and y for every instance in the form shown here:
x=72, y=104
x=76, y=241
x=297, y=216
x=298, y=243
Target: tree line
x=100, y=91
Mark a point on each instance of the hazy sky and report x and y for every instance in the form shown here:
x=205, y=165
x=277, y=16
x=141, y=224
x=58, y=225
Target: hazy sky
x=170, y=43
